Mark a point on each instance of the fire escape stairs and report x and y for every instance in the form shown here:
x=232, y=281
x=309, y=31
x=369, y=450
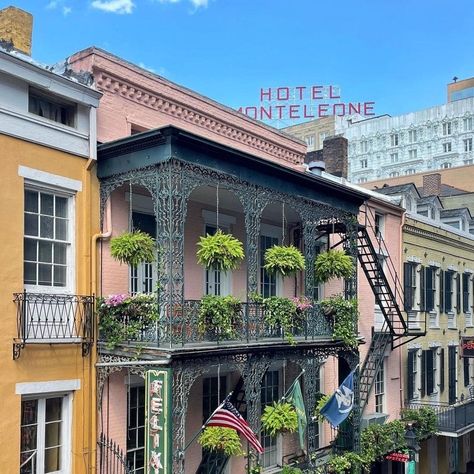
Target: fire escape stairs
x=215, y=462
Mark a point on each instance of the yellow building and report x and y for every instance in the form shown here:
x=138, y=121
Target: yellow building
x=438, y=290
x=49, y=214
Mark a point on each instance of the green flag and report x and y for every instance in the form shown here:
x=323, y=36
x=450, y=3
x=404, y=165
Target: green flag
x=295, y=397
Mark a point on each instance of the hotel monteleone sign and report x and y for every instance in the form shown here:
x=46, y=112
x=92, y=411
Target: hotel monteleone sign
x=303, y=103
x=158, y=412
x=467, y=346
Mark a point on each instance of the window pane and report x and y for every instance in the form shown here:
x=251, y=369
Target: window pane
x=31, y=201
x=46, y=227
x=61, y=206
x=59, y=275
x=30, y=250
x=29, y=273
x=28, y=438
x=53, y=409
x=61, y=229
x=30, y=466
x=31, y=224
x=29, y=412
x=52, y=460
x=45, y=274
x=47, y=204
x=53, y=434
x=45, y=252
x=60, y=253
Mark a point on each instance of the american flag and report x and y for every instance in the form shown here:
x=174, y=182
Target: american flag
x=227, y=416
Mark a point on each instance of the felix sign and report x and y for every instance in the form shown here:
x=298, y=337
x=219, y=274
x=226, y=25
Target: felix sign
x=304, y=102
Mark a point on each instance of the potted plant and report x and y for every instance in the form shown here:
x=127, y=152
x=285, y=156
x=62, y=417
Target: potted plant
x=284, y=260
x=133, y=248
x=333, y=264
x=345, y=314
x=225, y=440
x=125, y=318
x=220, y=251
x=279, y=417
x=219, y=316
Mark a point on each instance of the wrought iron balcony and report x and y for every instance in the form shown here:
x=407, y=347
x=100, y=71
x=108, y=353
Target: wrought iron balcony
x=179, y=328
x=458, y=418
x=53, y=319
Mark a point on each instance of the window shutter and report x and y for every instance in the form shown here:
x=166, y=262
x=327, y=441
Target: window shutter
x=441, y=370
x=441, y=291
x=429, y=289
x=407, y=289
x=465, y=292
x=429, y=371
x=466, y=371
x=422, y=288
x=410, y=381
x=423, y=373
x=458, y=293
x=448, y=281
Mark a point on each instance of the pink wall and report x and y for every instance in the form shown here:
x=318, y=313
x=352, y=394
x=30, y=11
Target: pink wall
x=134, y=96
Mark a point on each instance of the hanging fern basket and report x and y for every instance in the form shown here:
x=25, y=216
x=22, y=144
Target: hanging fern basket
x=284, y=260
x=224, y=440
x=220, y=251
x=133, y=248
x=280, y=417
x=333, y=264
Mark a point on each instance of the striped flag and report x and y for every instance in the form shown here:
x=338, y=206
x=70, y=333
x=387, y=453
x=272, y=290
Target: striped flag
x=227, y=416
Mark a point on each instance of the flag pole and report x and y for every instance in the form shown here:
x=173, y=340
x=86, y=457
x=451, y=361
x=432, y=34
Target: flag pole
x=291, y=386
x=203, y=426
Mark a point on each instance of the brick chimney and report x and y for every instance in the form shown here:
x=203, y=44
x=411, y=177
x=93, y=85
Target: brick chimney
x=334, y=155
x=432, y=184
x=16, y=28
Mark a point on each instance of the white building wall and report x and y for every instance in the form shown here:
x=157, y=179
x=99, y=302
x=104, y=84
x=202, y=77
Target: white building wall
x=431, y=139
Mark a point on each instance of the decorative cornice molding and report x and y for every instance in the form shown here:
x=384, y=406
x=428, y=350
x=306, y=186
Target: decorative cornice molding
x=153, y=100
x=409, y=229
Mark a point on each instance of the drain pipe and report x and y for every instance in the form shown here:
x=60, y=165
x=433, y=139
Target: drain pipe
x=101, y=236
x=134, y=363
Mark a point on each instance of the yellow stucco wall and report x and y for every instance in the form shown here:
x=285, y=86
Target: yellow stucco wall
x=43, y=362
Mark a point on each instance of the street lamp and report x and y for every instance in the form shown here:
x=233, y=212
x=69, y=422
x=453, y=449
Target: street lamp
x=412, y=442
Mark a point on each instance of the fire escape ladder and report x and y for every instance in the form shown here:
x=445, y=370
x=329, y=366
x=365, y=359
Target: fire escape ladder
x=372, y=363
x=215, y=462
x=384, y=295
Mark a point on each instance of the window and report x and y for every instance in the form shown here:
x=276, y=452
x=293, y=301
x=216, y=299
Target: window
x=466, y=371
x=213, y=392
x=447, y=147
x=468, y=162
x=269, y=394
x=467, y=122
x=412, y=374
x=394, y=174
x=430, y=367
x=452, y=355
x=448, y=291
x=363, y=163
x=136, y=430
x=393, y=157
x=378, y=225
x=380, y=389
x=429, y=288
x=364, y=146
x=447, y=128
x=412, y=136
x=445, y=165
x=362, y=180
x=47, y=241
x=322, y=137
x=409, y=278
x=465, y=292
x=410, y=171
x=412, y=154
x=44, y=435
x=51, y=108
x=394, y=139
x=268, y=281
x=467, y=144
x=309, y=139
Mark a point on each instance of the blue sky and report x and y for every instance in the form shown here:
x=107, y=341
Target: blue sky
x=398, y=53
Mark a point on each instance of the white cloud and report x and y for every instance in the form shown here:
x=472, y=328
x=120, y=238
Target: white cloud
x=196, y=3
x=52, y=4
x=144, y=66
x=114, y=6
x=67, y=10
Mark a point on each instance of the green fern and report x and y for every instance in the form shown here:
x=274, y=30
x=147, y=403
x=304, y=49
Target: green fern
x=284, y=260
x=333, y=264
x=133, y=248
x=225, y=440
x=220, y=251
x=279, y=417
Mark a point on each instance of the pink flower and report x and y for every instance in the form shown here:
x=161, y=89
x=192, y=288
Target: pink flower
x=115, y=300
x=302, y=303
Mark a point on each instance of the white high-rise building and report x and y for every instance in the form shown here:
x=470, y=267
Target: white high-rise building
x=431, y=139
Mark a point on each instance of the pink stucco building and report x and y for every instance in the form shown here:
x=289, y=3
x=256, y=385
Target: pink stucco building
x=179, y=165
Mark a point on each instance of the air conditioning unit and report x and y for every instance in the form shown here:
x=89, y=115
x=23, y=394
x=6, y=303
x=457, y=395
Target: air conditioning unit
x=373, y=419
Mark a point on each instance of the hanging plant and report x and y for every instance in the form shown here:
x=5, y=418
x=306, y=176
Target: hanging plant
x=322, y=400
x=133, y=248
x=219, y=316
x=345, y=314
x=220, y=251
x=225, y=440
x=279, y=417
x=285, y=260
x=333, y=264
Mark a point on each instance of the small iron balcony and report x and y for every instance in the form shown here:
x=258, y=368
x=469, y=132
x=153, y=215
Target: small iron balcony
x=53, y=319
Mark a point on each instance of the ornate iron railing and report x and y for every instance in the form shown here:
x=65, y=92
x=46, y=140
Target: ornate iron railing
x=451, y=418
x=180, y=326
x=110, y=457
x=53, y=319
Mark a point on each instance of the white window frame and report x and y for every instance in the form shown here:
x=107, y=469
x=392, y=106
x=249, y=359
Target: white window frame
x=364, y=163
x=413, y=154
x=447, y=128
x=447, y=147
x=364, y=146
x=394, y=139
x=382, y=393
x=394, y=157
x=467, y=122
x=467, y=144
x=412, y=136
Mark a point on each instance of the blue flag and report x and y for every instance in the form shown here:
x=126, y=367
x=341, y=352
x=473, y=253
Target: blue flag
x=339, y=406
